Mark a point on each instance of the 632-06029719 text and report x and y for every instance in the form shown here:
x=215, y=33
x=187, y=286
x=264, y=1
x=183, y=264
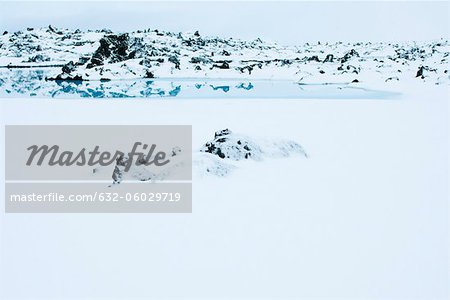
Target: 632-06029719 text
x=100, y=197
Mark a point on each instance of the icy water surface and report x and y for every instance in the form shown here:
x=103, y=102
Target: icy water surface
x=32, y=83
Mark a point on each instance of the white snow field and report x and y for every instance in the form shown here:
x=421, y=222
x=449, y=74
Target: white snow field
x=363, y=216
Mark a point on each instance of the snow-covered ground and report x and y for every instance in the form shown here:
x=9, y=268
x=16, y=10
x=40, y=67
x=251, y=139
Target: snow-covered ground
x=105, y=55
x=364, y=215
x=344, y=196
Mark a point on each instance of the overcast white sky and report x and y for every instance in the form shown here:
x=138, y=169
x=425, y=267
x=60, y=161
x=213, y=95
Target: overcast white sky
x=285, y=22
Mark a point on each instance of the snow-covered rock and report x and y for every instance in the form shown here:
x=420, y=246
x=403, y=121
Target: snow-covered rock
x=106, y=55
x=220, y=157
x=231, y=146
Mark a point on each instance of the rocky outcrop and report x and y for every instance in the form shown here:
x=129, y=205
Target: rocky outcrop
x=225, y=145
x=224, y=65
x=69, y=67
x=174, y=59
x=420, y=72
x=103, y=55
x=349, y=55
x=136, y=172
x=236, y=147
x=38, y=58
x=113, y=48
x=329, y=58
x=314, y=58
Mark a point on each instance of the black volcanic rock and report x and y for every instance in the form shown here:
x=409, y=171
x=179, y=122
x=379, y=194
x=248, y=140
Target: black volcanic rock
x=69, y=67
x=329, y=58
x=246, y=68
x=174, y=59
x=51, y=29
x=38, y=58
x=149, y=74
x=113, y=48
x=222, y=133
x=392, y=79
x=197, y=60
x=420, y=72
x=65, y=77
x=118, y=172
x=227, y=145
x=224, y=65
x=349, y=55
x=82, y=60
x=314, y=58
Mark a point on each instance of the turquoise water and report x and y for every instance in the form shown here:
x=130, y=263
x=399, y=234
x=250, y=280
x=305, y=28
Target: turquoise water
x=32, y=83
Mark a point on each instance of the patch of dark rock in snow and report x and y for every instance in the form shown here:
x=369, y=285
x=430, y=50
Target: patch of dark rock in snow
x=106, y=30
x=420, y=72
x=113, y=48
x=69, y=67
x=198, y=60
x=249, y=69
x=314, y=58
x=149, y=74
x=82, y=60
x=174, y=59
x=329, y=58
x=223, y=65
x=38, y=58
x=142, y=172
x=349, y=55
x=65, y=77
x=228, y=145
x=51, y=29
x=392, y=79
x=136, y=172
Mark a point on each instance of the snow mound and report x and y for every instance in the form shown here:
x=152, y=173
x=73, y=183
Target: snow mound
x=228, y=145
x=124, y=170
x=219, y=157
x=205, y=164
